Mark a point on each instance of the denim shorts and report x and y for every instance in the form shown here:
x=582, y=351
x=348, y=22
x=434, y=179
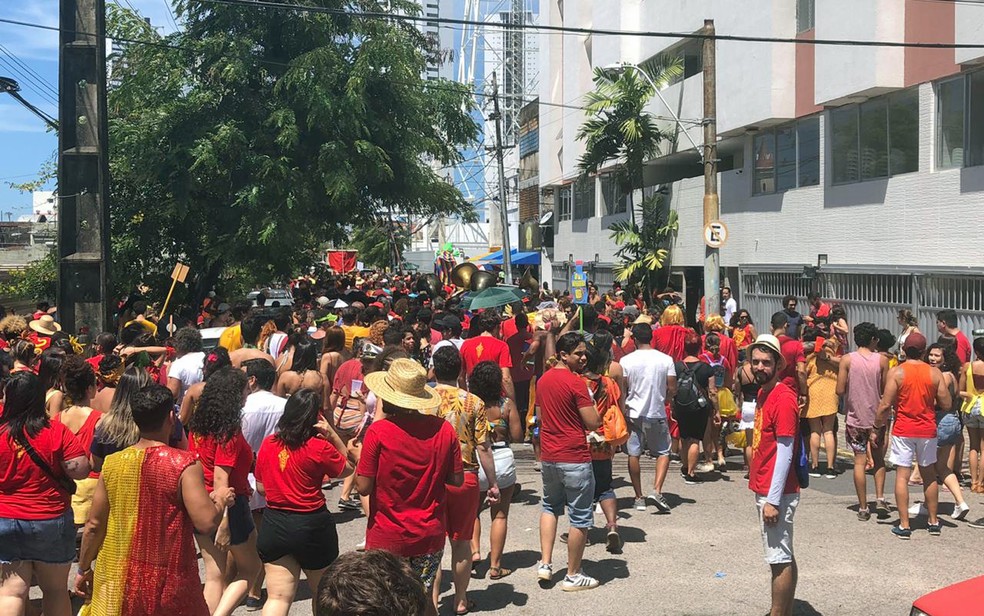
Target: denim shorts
x=602, y=470
x=569, y=484
x=50, y=541
x=651, y=433
x=948, y=429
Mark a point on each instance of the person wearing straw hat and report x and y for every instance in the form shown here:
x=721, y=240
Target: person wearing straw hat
x=771, y=475
x=406, y=462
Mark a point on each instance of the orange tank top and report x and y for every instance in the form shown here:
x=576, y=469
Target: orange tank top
x=915, y=409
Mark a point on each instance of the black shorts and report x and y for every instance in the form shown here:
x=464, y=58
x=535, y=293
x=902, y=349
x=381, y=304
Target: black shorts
x=309, y=537
x=240, y=521
x=692, y=424
x=522, y=400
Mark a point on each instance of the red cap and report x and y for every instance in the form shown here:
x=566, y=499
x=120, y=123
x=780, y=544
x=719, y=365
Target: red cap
x=619, y=305
x=916, y=342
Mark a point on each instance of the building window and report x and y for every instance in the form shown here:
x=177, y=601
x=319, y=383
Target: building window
x=614, y=198
x=584, y=198
x=806, y=15
x=564, y=204
x=960, y=122
x=787, y=157
x=876, y=139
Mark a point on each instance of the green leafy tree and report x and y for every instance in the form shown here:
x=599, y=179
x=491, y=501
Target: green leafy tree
x=36, y=282
x=253, y=137
x=620, y=132
x=378, y=245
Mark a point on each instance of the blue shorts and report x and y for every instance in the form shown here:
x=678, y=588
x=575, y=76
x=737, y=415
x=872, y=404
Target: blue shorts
x=653, y=434
x=570, y=485
x=240, y=521
x=50, y=541
x=948, y=429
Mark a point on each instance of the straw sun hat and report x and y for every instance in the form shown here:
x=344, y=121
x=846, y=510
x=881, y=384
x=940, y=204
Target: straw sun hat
x=404, y=385
x=45, y=325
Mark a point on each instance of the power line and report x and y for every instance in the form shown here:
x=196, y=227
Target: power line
x=33, y=72
x=254, y=4
x=170, y=16
x=27, y=81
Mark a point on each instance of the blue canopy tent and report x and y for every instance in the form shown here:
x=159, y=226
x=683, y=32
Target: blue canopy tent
x=516, y=257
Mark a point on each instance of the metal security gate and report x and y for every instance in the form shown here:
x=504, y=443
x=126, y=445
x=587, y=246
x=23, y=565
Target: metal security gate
x=600, y=274
x=869, y=293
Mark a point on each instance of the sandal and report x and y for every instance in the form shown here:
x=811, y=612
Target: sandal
x=468, y=608
x=497, y=573
x=476, y=558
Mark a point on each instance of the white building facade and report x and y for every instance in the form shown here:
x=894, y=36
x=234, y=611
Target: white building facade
x=866, y=160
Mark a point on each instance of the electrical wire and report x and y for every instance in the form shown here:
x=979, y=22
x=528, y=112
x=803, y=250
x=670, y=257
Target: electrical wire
x=256, y=4
x=28, y=81
x=47, y=84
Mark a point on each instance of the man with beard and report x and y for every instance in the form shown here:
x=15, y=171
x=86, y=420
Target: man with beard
x=771, y=474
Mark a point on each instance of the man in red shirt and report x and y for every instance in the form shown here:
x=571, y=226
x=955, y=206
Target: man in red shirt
x=566, y=411
x=485, y=345
x=407, y=461
x=771, y=474
x=916, y=390
x=819, y=313
x=946, y=324
x=793, y=372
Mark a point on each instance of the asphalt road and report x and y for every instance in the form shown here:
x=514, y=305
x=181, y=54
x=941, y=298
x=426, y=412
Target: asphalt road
x=705, y=557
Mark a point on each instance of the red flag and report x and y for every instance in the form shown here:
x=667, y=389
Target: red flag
x=342, y=260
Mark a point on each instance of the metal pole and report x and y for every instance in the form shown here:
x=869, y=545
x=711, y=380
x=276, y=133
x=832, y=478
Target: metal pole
x=712, y=258
x=503, y=205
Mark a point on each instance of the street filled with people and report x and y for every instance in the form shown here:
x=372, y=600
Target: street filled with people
x=238, y=431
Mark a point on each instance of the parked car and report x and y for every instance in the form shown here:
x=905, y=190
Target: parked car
x=276, y=298
x=960, y=599
x=210, y=337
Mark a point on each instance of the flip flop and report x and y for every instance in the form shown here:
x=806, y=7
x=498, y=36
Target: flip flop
x=471, y=605
x=497, y=573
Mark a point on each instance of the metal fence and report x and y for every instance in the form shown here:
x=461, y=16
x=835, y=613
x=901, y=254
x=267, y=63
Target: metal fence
x=871, y=293
x=601, y=274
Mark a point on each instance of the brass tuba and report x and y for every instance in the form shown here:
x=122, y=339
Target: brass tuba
x=462, y=273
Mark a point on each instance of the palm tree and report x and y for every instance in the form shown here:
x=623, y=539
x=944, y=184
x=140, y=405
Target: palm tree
x=619, y=129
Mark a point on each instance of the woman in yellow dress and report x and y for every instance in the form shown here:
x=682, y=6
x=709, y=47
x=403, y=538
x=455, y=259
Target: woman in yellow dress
x=821, y=409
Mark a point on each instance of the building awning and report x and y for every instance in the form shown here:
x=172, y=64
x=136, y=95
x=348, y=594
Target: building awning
x=516, y=258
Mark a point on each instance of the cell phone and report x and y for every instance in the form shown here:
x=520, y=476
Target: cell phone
x=355, y=386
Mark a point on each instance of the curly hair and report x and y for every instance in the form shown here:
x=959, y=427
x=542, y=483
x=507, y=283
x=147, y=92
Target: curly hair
x=485, y=381
x=188, y=340
x=77, y=378
x=370, y=583
x=12, y=326
x=220, y=407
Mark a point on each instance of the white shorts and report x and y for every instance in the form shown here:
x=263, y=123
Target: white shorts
x=505, y=468
x=747, y=416
x=778, y=539
x=653, y=434
x=906, y=450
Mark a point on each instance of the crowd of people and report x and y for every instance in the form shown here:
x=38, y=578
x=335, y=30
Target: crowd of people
x=154, y=446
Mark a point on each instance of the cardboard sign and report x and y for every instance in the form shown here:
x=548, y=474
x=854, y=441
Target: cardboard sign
x=180, y=272
x=579, y=284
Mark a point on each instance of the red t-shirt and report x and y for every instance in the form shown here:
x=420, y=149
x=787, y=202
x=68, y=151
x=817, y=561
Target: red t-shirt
x=349, y=370
x=235, y=454
x=669, y=339
x=485, y=348
x=915, y=408
x=26, y=492
x=792, y=353
x=94, y=362
x=508, y=328
x=963, y=347
x=559, y=394
x=518, y=344
x=410, y=456
x=777, y=415
x=292, y=478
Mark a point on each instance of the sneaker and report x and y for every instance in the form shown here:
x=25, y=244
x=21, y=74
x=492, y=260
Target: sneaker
x=704, y=467
x=350, y=504
x=902, y=533
x=579, y=581
x=918, y=509
x=659, y=501
x=978, y=523
x=692, y=480
x=830, y=473
x=815, y=472
x=544, y=572
x=613, y=542
x=881, y=508
x=960, y=511
x=935, y=529
x=253, y=604
x=639, y=504
x=864, y=515
x=675, y=459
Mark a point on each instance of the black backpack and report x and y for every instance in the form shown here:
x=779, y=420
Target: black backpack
x=690, y=396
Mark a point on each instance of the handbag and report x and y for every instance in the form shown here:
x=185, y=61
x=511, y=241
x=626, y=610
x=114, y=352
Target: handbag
x=63, y=482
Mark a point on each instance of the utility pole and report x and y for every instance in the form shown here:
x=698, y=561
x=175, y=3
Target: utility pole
x=83, y=167
x=712, y=257
x=503, y=205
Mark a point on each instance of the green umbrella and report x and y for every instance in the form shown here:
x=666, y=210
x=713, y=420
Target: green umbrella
x=493, y=297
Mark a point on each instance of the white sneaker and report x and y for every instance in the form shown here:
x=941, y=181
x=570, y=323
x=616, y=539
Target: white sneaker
x=544, y=572
x=579, y=581
x=960, y=511
x=918, y=509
